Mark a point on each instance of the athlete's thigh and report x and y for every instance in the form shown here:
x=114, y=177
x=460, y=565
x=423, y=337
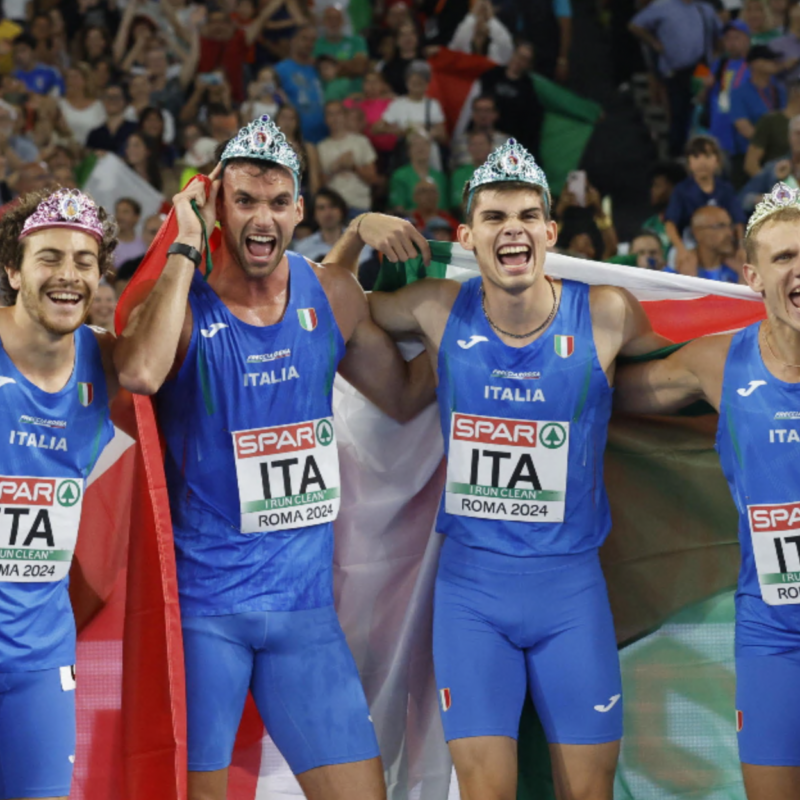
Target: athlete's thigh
x=37, y=729
x=309, y=693
x=218, y=668
x=358, y=779
x=768, y=706
x=486, y=767
x=480, y=673
x=584, y=771
x=573, y=670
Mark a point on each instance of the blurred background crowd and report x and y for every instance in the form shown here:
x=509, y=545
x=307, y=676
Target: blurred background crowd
x=660, y=124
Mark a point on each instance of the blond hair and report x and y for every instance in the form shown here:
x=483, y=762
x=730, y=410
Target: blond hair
x=788, y=214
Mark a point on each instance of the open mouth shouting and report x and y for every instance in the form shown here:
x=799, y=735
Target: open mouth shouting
x=260, y=248
x=515, y=258
x=794, y=297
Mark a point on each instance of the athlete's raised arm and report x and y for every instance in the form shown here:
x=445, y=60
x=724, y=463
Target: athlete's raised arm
x=665, y=385
x=147, y=349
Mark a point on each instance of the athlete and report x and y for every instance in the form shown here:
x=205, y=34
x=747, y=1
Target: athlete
x=525, y=365
x=56, y=381
x=243, y=365
x=753, y=379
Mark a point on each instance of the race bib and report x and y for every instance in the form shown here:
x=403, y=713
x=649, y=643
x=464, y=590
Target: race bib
x=509, y=469
x=39, y=521
x=775, y=532
x=288, y=475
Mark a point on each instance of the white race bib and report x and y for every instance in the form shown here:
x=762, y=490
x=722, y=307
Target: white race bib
x=288, y=475
x=510, y=469
x=39, y=521
x=775, y=532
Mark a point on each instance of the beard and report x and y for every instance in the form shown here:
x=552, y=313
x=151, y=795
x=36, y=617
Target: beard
x=32, y=301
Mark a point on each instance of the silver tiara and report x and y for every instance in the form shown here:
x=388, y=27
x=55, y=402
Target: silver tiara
x=510, y=162
x=263, y=139
x=781, y=196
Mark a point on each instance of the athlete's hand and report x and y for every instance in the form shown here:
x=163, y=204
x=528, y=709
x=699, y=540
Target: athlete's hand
x=189, y=227
x=396, y=238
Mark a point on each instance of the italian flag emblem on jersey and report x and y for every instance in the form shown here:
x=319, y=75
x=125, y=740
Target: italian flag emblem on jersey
x=85, y=393
x=564, y=345
x=308, y=318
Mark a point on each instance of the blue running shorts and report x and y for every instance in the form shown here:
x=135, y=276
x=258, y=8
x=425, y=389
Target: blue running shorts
x=768, y=709
x=37, y=733
x=504, y=625
x=303, y=678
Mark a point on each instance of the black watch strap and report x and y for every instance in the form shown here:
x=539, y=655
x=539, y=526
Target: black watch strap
x=192, y=253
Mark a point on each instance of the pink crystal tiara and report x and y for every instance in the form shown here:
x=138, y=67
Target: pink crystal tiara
x=65, y=208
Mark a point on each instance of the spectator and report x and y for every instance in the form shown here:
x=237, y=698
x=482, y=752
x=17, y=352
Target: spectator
x=18, y=149
x=484, y=116
x=93, y=45
x=416, y=111
x=713, y=231
x=199, y=158
x=403, y=180
x=349, y=51
x=586, y=227
x=347, y=161
x=479, y=146
x=334, y=86
x=758, y=94
x=135, y=35
x=438, y=229
x=274, y=41
x=81, y=109
x=140, y=158
x=520, y=114
x=664, y=177
x=104, y=305
x=37, y=78
x=683, y=33
x=59, y=39
x=407, y=50
x=703, y=187
x=41, y=32
x=727, y=71
x=788, y=47
x=482, y=33
x=649, y=253
x=128, y=212
x=151, y=124
x=771, y=137
x=302, y=84
x=264, y=95
x=103, y=73
x=786, y=169
x=139, y=92
x=125, y=271
x=288, y=120
x=330, y=216
x=222, y=123
x=426, y=201
x=167, y=90
x=756, y=16
x=114, y=132
x=374, y=102
x=210, y=88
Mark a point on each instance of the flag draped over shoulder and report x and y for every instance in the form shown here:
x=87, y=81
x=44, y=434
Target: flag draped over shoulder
x=670, y=561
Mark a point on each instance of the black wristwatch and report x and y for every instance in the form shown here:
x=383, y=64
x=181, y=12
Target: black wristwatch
x=192, y=253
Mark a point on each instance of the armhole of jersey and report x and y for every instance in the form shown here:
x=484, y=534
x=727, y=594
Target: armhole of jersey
x=191, y=348
x=447, y=324
x=722, y=422
x=587, y=309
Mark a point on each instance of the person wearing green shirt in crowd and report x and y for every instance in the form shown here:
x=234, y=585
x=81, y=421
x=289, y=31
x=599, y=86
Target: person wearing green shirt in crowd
x=479, y=145
x=771, y=137
x=334, y=86
x=349, y=51
x=404, y=180
x=664, y=177
x=756, y=16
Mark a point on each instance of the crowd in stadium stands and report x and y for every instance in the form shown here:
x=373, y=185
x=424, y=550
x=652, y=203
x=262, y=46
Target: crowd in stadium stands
x=129, y=99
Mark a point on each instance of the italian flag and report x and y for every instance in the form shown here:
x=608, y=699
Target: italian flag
x=308, y=318
x=85, y=393
x=564, y=346
x=671, y=563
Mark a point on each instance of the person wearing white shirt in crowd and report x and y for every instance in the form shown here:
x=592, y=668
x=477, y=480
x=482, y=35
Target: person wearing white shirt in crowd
x=81, y=110
x=480, y=32
x=128, y=212
x=416, y=111
x=347, y=160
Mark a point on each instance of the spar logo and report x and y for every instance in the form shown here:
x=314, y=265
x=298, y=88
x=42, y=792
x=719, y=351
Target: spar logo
x=68, y=494
x=277, y=440
x=324, y=432
x=27, y=491
x=553, y=436
x=494, y=430
x=775, y=518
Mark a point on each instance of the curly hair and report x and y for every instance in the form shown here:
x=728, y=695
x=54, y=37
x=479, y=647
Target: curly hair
x=12, y=250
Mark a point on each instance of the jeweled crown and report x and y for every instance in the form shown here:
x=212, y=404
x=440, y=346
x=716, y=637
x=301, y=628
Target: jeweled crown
x=509, y=162
x=781, y=196
x=263, y=139
x=65, y=208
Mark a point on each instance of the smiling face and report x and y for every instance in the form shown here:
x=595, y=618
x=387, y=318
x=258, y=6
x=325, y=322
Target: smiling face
x=259, y=214
x=57, y=279
x=509, y=232
x=773, y=265
x=103, y=307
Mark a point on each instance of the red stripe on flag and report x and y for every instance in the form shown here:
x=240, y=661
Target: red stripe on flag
x=681, y=320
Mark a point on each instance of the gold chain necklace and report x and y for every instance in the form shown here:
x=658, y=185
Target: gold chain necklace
x=521, y=335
